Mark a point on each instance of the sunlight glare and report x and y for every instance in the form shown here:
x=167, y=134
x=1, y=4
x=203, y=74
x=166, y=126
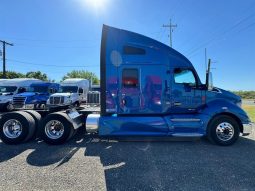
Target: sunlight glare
x=96, y=4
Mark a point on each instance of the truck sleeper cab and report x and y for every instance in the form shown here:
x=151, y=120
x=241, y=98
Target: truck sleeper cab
x=158, y=93
x=10, y=87
x=72, y=91
x=35, y=96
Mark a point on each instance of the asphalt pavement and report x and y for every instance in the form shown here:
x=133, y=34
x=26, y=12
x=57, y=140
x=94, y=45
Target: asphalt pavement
x=86, y=163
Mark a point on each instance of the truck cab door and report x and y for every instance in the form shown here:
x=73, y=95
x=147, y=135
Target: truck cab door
x=81, y=93
x=130, y=97
x=185, y=96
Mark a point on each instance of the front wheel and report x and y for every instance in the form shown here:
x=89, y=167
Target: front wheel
x=223, y=130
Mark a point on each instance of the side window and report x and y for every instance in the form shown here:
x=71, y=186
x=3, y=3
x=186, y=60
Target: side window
x=130, y=78
x=52, y=90
x=80, y=91
x=184, y=76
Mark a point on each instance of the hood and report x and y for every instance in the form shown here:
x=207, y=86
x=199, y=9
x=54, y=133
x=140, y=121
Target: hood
x=62, y=94
x=6, y=94
x=230, y=96
x=6, y=97
x=26, y=94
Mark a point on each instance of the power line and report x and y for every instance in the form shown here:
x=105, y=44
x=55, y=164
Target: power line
x=170, y=26
x=52, y=40
x=215, y=37
x=52, y=65
x=4, y=59
x=58, y=47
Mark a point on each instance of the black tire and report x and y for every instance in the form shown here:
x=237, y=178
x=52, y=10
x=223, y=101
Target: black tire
x=37, y=117
x=224, y=121
x=65, y=122
x=76, y=104
x=27, y=123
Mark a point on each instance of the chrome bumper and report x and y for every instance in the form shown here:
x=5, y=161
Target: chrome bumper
x=248, y=128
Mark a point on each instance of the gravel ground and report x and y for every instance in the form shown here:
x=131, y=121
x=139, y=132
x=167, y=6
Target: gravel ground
x=91, y=164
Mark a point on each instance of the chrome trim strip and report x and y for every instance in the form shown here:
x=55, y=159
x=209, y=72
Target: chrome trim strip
x=248, y=128
x=187, y=135
x=185, y=120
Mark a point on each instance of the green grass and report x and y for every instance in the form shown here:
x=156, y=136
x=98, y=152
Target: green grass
x=250, y=109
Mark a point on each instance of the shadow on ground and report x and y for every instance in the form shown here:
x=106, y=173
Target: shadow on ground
x=189, y=165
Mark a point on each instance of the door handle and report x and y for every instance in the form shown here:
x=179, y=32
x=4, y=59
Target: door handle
x=177, y=103
x=166, y=86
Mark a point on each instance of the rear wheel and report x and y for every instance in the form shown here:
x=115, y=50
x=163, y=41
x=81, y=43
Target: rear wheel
x=16, y=127
x=37, y=117
x=223, y=130
x=56, y=128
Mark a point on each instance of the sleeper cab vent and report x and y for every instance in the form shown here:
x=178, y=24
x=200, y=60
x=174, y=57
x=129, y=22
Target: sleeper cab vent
x=131, y=50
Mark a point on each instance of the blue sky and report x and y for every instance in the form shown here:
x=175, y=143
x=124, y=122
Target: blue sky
x=57, y=36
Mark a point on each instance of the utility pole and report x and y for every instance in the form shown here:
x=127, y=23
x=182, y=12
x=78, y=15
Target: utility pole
x=4, y=43
x=205, y=60
x=170, y=26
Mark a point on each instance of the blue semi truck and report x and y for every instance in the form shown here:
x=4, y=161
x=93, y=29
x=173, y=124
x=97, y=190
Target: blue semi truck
x=35, y=96
x=147, y=90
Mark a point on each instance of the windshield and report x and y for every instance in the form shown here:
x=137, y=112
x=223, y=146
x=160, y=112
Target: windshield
x=38, y=89
x=67, y=89
x=96, y=89
x=5, y=89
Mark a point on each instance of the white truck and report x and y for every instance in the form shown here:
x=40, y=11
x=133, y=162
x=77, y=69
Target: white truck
x=11, y=87
x=73, y=91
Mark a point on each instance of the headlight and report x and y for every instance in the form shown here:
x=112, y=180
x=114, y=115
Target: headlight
x=68, y=100
x=5, y=100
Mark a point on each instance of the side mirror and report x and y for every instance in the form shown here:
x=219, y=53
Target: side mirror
x=210, y=81
x=51, y=90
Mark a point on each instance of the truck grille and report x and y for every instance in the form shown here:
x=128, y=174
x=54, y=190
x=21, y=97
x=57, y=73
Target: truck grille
x=19, y=101
x=93, y=97
x=56, y=100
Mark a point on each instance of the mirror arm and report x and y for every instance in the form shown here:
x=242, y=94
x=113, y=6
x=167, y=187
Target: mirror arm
x=207, y=74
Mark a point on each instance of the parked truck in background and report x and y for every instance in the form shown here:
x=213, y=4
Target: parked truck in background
x=35, y=97
x=10, y=87
x=72, y=91
x=147, y=90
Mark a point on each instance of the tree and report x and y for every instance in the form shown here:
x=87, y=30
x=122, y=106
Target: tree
x=82, y=74
x=246, y=94
x=12, y=74
x=38, y=75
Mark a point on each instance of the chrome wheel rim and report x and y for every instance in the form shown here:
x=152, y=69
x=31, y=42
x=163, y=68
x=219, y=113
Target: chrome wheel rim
x=54, y=129
x=12, y=128
x=225, y=131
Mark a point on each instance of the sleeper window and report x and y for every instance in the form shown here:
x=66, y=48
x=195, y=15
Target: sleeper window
x=130, y=78
x=184, y=76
